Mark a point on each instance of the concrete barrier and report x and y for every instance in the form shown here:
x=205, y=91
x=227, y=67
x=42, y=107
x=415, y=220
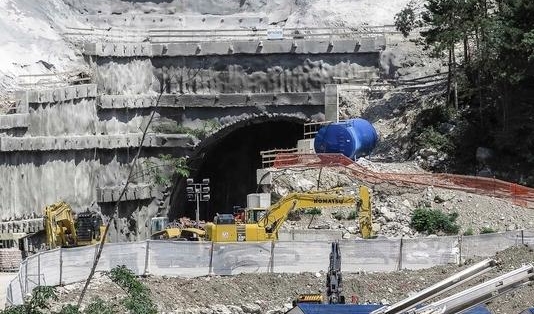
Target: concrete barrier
x=50, y=143
x=369, y=44
x=13, y=121
x=212, y=100
x=62, y=94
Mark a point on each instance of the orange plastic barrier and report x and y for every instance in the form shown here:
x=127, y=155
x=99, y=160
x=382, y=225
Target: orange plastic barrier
x=518, y=194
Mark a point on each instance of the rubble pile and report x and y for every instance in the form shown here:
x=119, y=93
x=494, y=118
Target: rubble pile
x=393, y=205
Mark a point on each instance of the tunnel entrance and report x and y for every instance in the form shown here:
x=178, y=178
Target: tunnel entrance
x=230, y=160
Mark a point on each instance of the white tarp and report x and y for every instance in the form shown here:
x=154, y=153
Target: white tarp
x=428, y=252
x=184, y=259
x=369, y=255
x=50, y=268
x=486, y=245
x=77, y=263
x=193, y=259
x=132, y=255
x=245, y=257
x=297, y=257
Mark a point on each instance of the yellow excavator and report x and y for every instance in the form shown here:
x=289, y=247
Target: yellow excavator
x=162, y=229
x=263, y=224
x=62, y=229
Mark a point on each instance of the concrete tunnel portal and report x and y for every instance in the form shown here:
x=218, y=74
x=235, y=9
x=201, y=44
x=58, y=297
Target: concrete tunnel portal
x=229, y=159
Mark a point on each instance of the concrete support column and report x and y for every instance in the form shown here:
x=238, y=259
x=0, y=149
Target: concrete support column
x=331, y=102
x=22, y=101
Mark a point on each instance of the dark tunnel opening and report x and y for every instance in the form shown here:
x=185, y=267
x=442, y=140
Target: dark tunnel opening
x=230, y=163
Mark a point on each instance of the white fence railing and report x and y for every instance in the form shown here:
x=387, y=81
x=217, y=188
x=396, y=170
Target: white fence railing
x=193, y=259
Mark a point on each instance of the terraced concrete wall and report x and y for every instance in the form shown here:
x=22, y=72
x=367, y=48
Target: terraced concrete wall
x=67, y=149
x=229, y=74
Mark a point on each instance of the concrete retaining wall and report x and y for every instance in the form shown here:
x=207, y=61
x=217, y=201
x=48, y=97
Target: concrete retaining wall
x=230, y=74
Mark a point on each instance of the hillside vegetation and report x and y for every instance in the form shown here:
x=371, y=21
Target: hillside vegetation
x=489, y=48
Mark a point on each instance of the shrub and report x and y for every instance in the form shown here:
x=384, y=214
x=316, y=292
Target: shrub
x=352, y=215
x=433, y=220
x=38, y=301
x=469, y=232
x=338, y=215
x=69, y=309
x=313, y=211
x=486, y=230
x=138, y=300
x=98, y=306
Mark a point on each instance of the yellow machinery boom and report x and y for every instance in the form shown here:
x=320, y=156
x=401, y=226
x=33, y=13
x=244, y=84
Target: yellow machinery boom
x=226, y=229
x=59, y=225
x=63, y=230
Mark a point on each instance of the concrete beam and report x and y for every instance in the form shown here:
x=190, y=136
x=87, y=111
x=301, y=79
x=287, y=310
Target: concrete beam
x=185, y=22
x=12, y=121
x=218, y=100
x=372, y=44
x=62, y=94
x=45, y=143
x=134, y=192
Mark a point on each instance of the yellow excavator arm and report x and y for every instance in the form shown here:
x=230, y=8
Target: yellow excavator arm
x=226, y=229
x=276, y=215
x=59, y=225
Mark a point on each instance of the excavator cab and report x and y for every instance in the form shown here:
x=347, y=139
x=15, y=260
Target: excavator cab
x=88, y=228
x=158, y=224
x=253, y=215
x=224, y=219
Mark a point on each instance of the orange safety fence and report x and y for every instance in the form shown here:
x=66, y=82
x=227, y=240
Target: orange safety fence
x=518, y=194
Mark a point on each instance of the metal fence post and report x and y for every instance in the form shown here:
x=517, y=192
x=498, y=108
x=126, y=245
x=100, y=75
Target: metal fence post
x=272, y=258
x=9, y=297
x=399, y=265
x=60, y=266
x=522, y=237
x=210, y=271
x=22, y=290
x=26, y=276
x=147, y=257
x=460, y=242
x=39, y=269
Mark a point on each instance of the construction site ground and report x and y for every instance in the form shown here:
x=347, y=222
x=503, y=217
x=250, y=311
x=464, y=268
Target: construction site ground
x=5, y=278
x=273, y=293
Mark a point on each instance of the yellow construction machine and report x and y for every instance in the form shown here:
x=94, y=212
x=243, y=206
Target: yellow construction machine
x=62, y=229
x=263, y=224
x=162, y=229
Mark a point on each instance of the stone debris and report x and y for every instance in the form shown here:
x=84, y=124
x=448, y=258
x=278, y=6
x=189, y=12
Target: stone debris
x=393, y=206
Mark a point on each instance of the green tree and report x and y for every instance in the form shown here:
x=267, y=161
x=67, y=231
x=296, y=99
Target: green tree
x=406, y=20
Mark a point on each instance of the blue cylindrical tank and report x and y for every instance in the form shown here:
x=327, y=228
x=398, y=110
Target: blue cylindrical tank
x=353, y=138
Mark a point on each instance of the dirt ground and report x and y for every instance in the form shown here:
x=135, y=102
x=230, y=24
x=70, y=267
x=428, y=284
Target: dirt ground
x=5, y=278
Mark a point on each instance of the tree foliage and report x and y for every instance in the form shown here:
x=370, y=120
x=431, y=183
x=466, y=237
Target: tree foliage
x=489, y=48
